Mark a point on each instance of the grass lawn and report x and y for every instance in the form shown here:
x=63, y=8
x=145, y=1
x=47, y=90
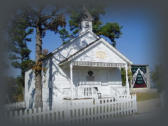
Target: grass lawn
x=142, y=96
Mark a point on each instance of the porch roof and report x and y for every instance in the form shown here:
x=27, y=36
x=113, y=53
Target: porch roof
x=97, y=64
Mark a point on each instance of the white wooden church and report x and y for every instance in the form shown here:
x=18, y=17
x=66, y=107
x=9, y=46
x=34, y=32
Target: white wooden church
x=85, y=67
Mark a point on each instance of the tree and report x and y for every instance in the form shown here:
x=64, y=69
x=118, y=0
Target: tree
x=41, y=19
x=75, y=20
x=19, y=52
x=109, y=30
x=112, y=31
x=123, y=76
x=64, y=35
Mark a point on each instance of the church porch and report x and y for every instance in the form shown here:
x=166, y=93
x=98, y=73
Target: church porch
x=96, y=79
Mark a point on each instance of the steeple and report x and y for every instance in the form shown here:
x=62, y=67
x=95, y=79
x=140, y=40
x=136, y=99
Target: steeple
x=86, y=16
x=86, y=21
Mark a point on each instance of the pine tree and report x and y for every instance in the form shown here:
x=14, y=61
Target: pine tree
x=112, y=31
x=19, y=53
x=41, y=19
x=64, y=35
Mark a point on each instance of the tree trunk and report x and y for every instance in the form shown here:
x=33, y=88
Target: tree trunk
x=38, y=76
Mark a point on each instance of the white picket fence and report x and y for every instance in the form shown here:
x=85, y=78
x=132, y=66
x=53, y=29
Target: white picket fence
x=78, y=111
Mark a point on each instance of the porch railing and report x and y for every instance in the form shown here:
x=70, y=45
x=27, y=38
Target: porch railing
x=98, y=83
x=89, y=83
x=86, y=92
x=89, y=89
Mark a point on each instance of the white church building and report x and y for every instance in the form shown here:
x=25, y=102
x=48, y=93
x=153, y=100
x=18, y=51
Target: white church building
x=85, y=67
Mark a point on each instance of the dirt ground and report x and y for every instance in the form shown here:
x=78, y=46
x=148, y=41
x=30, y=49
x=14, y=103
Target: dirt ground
x=148, y=105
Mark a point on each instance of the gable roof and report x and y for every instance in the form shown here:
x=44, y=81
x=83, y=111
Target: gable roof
x=91, y=45
x=84, y=49
x=67, y=59
x=117, y=52
x=70, y=42
x=73, y=40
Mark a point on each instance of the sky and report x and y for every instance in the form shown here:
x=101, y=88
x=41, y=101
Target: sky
x=137, y=42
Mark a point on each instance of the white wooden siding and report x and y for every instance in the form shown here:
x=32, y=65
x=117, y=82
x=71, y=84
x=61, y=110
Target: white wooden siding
x=91, y=55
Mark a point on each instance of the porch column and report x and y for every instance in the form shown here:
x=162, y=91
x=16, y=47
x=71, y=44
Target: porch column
x=126, y=74
x=71, y=77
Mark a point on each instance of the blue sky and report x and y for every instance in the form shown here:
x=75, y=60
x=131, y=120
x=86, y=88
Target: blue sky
x=138, y=41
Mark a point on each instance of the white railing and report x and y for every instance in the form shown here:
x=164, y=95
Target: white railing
x=89, y=83
x=86, y=92
x=98, y=83
x=16, y=105
x=91, y=89
x=78, y=111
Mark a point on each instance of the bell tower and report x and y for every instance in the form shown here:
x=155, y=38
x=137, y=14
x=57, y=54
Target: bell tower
x=86, y=21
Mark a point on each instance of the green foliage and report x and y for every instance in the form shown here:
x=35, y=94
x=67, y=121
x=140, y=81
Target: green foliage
x=19, y=53
x=64, y=35
x=109, y=30
x=75, y=20
x=112, y=31
x=123, y=76
x=42, y=18
x=97, y=27
x=130, y=77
